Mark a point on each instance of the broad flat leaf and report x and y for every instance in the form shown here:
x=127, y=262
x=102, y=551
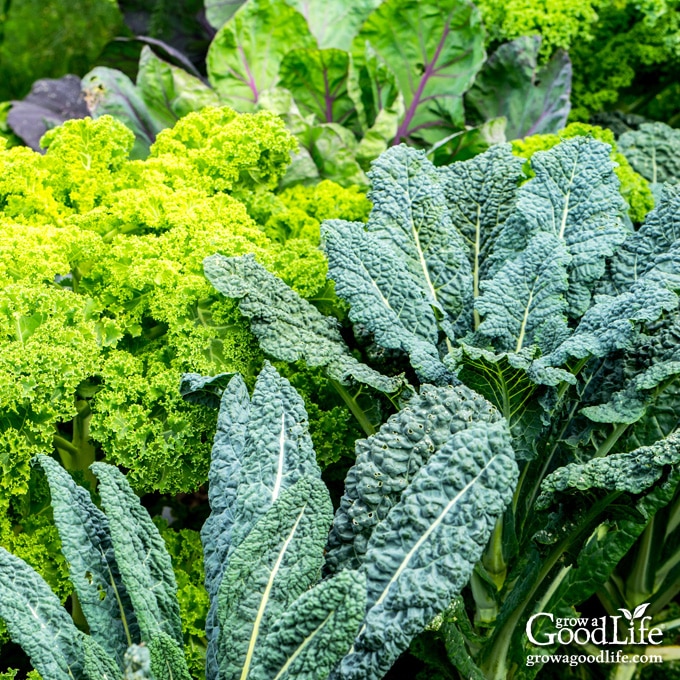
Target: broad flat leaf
x=218, y=12
x=167, y=658
x=525, y=294
x=533, y=101
x=398, y=316
x=574, y=196
x=144, y=563
x=387, y=462
x=653, y=151
x=287, y=326
x=277, y=562
x=170, y=92
x=97, y=664
x=225, y=462
x=49, y=103
x=244, y=57
x=410, y=213
x=434, y=49
x=111, y=92
x=334, y=24
x=481, y=195
x=630, y=472
x=317, y=79
x=316, y=631
x=37, y=622
x=655, y=247
x=93, y=570
x=420, y=556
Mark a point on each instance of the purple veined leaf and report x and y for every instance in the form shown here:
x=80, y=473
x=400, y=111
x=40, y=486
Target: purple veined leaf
x=335, y=24
x=434, y=48
x=640, y=610
x=49, y=103
x=244, y=58
x=533, y=100
x=626, y=613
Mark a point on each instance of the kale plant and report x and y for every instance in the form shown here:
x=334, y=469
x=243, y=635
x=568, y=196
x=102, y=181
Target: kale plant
x=539, y=296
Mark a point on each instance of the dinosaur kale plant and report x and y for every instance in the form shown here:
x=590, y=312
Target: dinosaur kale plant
x=537, y=295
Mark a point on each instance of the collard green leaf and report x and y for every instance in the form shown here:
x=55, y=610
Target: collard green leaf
x=93, y=569
x=317, y=79
x=525, y=294
x=365, y=270
x=167, y=658
x=111, y=92
x=280, y=559
x=654, y=249
x=434, y=49
x=334, y=24
x=387, y=462
x=420, y=555
x=533, y=100
x=316, y=631
x=37, y=622
x=144, y=563
x=410, y=214
x=244, y=57
x=287, y=326
x=170, y=92
x=630, y=472
x=654, y=151
x=574, y=196
x=481, y=195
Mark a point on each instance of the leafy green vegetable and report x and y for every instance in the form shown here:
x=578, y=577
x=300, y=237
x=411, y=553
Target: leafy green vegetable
x=653, y=152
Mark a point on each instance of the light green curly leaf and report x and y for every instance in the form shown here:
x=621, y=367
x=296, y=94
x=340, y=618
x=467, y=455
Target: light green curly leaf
x=144, y=563
x=37, y=622
x=287, y=326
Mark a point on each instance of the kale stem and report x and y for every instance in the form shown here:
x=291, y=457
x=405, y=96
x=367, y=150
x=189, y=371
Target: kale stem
x=606, y=446
x=357, y=411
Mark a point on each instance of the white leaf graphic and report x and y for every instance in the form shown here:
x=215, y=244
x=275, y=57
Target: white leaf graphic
x=627, y=614
x=640, y=610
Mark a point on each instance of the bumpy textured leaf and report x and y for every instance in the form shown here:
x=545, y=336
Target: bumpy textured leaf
x=334, y=24
x=167, y=658
x=245, y=55
x=410, y=213
x=37, y=622
x=365, y=270
x=280, y=559
x=93, y=570
x=137, y=663
x=204, y=389
x=525, y=294
x=434, y=48
x=420, y=556
x=574, y=196
x=287, y=326
x=533, y=100
x=388, y=461
x=317, y=79
x=631, y=472
x=653, y=151
x=144, y=563
x=316, y=631
x=97, y=664
x=655, y=247
x=481, y=195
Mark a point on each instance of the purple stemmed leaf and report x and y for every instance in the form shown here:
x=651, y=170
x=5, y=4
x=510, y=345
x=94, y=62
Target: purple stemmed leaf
x=434, y=48
x=533, y=100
